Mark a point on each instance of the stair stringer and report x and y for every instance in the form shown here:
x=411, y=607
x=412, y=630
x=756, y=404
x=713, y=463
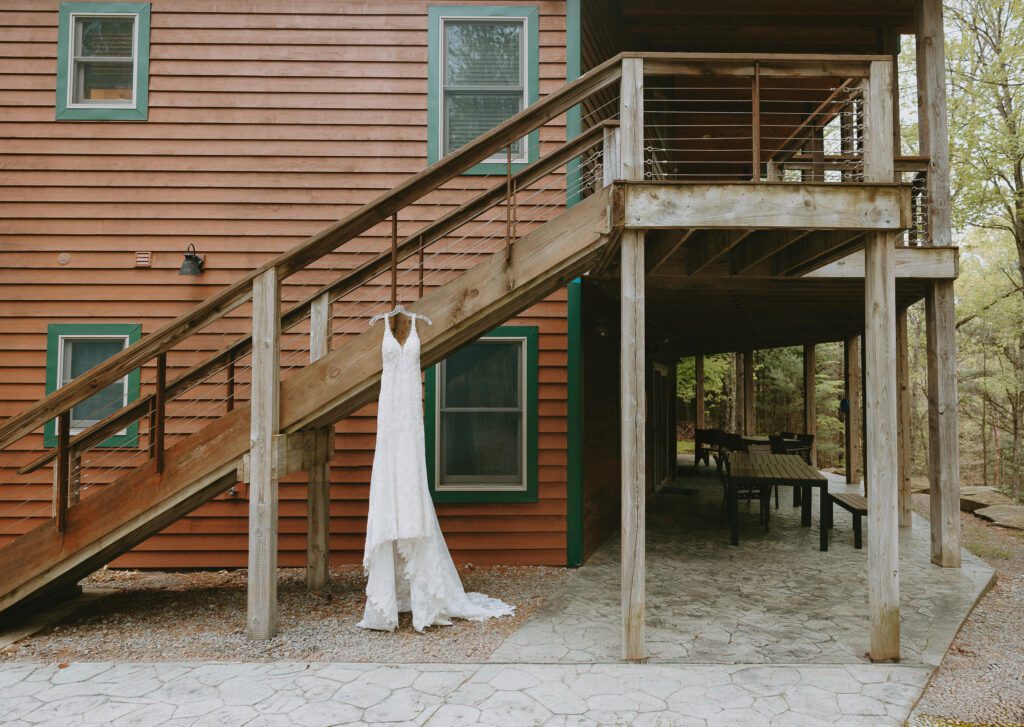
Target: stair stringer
x=197, y=469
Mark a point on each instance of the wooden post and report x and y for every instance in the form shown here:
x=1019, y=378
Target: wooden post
x=943, y=444
x=264, y=430
x=810, y=398
x=160, y=410
x=318, y=496
x=851, y=392
x=633, y=371
x=881, y=467
x=737, y=391
x=943, y=449
x=60, y=501
x=905, y=435
x=749, y=425
x=755, y=123
x=698, y=365
x=611, y=166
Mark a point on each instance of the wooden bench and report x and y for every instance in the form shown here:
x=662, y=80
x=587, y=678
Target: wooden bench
x=857, y=505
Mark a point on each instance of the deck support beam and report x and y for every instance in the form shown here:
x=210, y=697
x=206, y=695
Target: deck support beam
x=263, y=433
x=633, y=369
x=905, y=434
x=851, y=392
x=943, y=443
x=810, y=399
x=698, y=368
x=943, y=449
x=318, y=495
x=749, y=425
x=881, y=467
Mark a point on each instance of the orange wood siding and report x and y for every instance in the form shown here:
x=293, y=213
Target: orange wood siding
x=267, y=122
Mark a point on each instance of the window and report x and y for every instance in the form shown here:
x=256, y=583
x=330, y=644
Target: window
x=73, y=349
x=103, y=62
x=482, y=69
x=481, y=410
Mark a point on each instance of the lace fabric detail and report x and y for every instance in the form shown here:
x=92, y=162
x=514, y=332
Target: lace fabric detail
x=406, y=560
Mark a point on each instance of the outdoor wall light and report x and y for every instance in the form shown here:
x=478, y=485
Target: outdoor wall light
x=193, y=264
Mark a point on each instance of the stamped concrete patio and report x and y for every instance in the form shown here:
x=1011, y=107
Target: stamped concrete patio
x=774, y=599
x=772, y=632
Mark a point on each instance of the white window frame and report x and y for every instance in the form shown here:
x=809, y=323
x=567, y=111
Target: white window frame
x=470, y=484
x=72, y=57
x=524, y=66
x=61, y=357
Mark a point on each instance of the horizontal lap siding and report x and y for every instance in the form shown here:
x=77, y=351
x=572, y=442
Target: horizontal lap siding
x=267, y=122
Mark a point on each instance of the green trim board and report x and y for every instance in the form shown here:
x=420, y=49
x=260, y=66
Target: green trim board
x=139, y=110
x=574, y=116
x=530, y=398
x=434, y=76
x=54, y=332
x=574, y=426
x=574, y=482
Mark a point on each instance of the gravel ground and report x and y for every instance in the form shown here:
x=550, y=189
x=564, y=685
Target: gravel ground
x=200, y=616
x=981, y=680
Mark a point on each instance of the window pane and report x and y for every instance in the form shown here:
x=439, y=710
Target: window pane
x=468, y=115
x=102, y=82
x=104, y=37
x=482, y=445
x=80, y=356
x=483, y=374
x=483, y=53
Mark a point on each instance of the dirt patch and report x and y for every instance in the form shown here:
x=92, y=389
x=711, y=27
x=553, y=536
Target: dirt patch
x=981, y=679
x=200, y=616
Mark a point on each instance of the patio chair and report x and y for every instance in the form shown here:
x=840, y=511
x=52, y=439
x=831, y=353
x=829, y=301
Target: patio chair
x=734, y=443
x=704, y=442
x=806, y=443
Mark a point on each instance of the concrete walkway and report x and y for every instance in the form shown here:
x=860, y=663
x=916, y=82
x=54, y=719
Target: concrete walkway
x=772, y=632
x=315, y=695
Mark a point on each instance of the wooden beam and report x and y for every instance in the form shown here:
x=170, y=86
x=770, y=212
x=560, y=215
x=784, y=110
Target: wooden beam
x=929, y=263
x=711, y=245
x=814, y=251
x=851, y=392
x=749, y=425
x=933, y=132
x=746, y=206
x=264, y=427
x=318, y=495
x=662, y=245
x=633, y=371
x=904, y=431
x=881, y=466
x=698, y=366
x=943, y=442
x=810, y=398
x=760, y=246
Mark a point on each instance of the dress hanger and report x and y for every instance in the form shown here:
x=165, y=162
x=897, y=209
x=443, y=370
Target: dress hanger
x=400, y=309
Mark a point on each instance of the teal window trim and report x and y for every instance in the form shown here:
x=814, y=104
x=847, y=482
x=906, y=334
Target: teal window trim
x=529, y=334
x=54, y=333
x=436, y=14
x=139, y=110
x=574, y=116
x=574, y=455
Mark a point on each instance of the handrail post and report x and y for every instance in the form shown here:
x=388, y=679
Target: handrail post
x=610, y=165
x=263, y=434
x=755, y=122
x=318, y=495
x=60, y=505
x=632, y=372
x=230, y=399
x=159, y=409
x=394, y=260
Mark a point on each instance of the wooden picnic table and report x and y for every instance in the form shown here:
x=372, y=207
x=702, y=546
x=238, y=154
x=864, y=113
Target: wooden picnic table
x=763, y=471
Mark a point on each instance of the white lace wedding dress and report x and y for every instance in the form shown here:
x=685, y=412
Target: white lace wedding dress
x=406, y=560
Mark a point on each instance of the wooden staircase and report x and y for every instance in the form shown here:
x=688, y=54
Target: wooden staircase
x=82, y=536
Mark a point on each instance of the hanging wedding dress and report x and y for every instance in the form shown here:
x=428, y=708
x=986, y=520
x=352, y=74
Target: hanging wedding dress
x=406, y=560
